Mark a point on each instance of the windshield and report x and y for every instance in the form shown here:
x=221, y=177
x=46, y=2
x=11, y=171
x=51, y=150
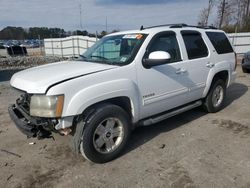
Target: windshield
x=115, y=50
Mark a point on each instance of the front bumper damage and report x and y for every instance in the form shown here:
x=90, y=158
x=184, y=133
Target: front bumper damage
x=31, y=127
x=36, y=126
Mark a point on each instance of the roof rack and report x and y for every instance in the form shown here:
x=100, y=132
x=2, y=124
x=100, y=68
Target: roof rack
x=170, y=25
x=195, y=26
x=181, y=25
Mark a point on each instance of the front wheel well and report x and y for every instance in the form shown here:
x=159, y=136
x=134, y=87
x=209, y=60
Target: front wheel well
x=123, y=102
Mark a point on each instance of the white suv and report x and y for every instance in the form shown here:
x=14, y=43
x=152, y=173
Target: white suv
x=127, y=79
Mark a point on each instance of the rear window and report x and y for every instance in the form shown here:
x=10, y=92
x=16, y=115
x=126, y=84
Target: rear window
x=220, y=42
x=196, y=47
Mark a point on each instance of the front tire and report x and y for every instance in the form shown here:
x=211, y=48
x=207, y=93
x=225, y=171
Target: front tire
x=215, y=99
x=105, y=134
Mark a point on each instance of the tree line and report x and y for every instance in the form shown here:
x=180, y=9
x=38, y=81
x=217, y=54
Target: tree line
x=20, y=33
x=231, y=15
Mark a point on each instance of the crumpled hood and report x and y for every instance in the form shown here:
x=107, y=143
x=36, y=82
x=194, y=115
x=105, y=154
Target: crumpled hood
x=38, y=79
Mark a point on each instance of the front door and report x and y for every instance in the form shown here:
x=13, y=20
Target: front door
x=163, y=87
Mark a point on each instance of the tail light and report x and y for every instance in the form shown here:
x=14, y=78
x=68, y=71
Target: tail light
x=235, y=55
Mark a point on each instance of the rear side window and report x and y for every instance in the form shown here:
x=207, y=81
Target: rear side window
x=220, y=42
x=196, y=47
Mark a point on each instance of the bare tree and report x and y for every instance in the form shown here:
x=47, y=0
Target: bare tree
x=241, y=13
x=205, y=13
x=247, y=8
x=246, y=15
x=221, y=12
x=202, y=17
x=225, y=13
x=232, y=15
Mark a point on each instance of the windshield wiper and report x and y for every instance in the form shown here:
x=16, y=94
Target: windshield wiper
x=82, y=56
x=100, y=57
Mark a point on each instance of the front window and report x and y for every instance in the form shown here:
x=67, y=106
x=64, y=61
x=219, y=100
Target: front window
x=115, y=50
x=166, y=42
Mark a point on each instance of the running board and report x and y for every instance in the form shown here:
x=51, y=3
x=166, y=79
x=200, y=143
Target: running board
x=162, y=117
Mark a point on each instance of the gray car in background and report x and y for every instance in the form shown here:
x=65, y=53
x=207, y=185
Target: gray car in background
x=246, y=63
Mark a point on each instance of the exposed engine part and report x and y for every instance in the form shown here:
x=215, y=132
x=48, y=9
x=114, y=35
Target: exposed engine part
x=65, y=131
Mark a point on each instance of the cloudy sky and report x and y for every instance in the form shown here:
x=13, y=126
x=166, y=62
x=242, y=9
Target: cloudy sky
x=120, y=14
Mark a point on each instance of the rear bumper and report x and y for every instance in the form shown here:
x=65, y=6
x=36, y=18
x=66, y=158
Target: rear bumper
x=232, y=78
x=28, y=125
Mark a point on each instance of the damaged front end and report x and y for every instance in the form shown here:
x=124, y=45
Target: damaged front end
x=36, y=126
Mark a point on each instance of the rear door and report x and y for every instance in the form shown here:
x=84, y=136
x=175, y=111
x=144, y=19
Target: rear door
x=198, y=63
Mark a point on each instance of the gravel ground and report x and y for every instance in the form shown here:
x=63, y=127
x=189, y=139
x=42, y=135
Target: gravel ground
x=194, y=149
x=21, y=62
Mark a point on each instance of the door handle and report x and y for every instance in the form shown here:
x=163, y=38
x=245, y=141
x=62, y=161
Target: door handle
x=210, y=65
x=180, y=71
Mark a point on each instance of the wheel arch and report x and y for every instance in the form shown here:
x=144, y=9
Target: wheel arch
x=122, y=101
x=222, y=74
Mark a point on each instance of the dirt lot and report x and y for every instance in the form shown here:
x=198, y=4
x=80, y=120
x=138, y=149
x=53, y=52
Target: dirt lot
x=193, y=149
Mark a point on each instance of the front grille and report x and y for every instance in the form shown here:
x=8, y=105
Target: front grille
x=24, y=102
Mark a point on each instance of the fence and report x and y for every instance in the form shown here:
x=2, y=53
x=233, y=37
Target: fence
x=75, y=45
x=241, y=42
x=68, y=47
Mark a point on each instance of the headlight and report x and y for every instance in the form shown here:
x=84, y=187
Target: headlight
x=46, y=106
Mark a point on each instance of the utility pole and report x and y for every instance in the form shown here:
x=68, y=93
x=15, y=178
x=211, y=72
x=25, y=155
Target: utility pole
x=106, y=24
x=80, y=8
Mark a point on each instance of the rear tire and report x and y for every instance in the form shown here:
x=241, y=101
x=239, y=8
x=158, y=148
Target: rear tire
x=105, y=133
x=215, y=99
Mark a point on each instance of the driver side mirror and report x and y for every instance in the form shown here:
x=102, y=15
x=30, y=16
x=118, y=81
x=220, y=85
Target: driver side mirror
x=156, y=58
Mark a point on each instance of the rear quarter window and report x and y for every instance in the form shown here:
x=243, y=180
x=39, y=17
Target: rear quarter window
x=220, y=42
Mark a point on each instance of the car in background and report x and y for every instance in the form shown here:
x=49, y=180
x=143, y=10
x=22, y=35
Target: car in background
x=2, y=45
x=245, y=63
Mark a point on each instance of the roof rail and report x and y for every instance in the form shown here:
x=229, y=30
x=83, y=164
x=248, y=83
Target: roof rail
x=201, y=27
x=181, y=25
